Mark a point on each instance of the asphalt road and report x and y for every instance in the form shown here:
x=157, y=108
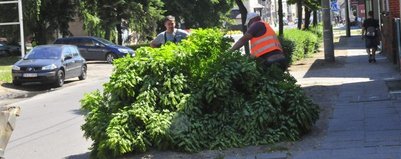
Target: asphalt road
x=49, y=123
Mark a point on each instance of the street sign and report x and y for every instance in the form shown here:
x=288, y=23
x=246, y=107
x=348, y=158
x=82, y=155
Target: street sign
x=334, y=6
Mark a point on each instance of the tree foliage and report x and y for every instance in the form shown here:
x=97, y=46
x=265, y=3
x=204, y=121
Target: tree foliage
x=200, y=13
x=42, y=18
x=48, y=17
x=45, y=18
x=102, y=17
x=311, y=5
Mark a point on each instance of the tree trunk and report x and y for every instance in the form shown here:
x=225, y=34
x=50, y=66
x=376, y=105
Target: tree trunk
x=107, y=34
x=315, y=18
x=327, y=32
x=299, y=13
x=347, y=22
x=280, y=18
x=243, y=12
x=40, y=35
x=119, y=35
x=307, y=18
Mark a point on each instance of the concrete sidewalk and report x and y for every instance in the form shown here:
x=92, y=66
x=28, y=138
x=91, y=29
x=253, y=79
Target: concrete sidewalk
x=363, y=118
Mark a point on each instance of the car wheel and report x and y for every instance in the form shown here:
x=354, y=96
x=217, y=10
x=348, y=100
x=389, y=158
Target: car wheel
x=83, y=73
x=16, y=83
x=60, y=78
x=110, y=57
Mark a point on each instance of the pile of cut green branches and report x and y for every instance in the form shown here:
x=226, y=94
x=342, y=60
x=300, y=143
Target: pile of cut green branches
x=191, y=97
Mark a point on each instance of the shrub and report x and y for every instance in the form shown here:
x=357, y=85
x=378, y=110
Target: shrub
x=191, y=97
x=302, y=43
x=318, y=30
x=288, y=47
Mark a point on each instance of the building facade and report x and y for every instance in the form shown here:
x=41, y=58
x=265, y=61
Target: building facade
x=388, y=13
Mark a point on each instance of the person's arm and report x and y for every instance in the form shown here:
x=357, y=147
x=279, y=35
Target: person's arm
x=363, y=29
x=363, y=32
x=154, y=44
x=379, y=33
x=241, y=42
x=157, y=42
x=185, y=33
x=181, y=34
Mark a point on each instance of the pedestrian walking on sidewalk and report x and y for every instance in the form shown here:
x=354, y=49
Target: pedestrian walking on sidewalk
x=371, y=34
x=265, y=46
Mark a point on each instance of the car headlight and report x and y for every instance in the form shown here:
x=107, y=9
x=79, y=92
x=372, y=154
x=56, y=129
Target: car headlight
x=49, y=67
x=16, y=68
x=123, y=50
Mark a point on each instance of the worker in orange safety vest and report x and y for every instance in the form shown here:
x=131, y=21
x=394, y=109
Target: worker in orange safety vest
x=265, y=46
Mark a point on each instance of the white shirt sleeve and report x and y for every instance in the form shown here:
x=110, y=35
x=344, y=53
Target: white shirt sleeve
x=159, y=39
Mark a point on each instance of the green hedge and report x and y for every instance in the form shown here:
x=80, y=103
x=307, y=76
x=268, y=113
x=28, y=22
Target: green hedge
x=318, y=30
x=194, y=96
x=299, y=44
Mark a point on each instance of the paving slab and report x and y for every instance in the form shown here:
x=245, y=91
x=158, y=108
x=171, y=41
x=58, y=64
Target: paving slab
x=365, y=121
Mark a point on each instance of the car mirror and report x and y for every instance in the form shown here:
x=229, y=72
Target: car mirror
x=98, y=45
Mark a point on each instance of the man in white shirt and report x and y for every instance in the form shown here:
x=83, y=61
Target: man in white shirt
x=171, y=34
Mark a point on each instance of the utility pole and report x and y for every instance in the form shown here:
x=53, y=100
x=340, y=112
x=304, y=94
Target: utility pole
x=347, y=21
x=327, y=32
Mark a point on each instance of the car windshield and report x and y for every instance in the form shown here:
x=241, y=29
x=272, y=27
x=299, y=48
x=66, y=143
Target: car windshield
x=44, y=53
x=105, y=41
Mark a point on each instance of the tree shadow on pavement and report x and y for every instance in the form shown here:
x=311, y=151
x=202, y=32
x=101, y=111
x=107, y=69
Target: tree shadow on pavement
x=325, y=96
x=25, y=90
x=350, y=43
x=356, y=66
x=32, y=86
x=97, y=62
x=79, y=156
x=79, y=112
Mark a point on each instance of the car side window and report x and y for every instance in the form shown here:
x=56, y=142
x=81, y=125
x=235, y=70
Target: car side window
x=59, y=41
x=97, y=43
x=87, y=42
x=74, y=51
x=69, y=41
x=66, y=52
x=74, y=41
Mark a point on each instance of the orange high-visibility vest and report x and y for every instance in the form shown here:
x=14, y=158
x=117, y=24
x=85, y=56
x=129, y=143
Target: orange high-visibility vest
x=266, y=43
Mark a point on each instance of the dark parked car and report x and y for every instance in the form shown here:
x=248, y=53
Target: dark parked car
x=94, y=48
x=4, y=50
x=50, y=64
x=7, y=50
